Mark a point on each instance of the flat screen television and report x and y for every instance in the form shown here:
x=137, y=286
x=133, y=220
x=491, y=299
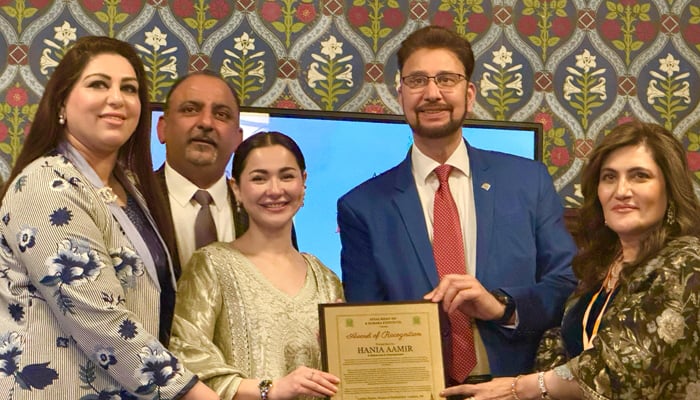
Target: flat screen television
x=343, y=150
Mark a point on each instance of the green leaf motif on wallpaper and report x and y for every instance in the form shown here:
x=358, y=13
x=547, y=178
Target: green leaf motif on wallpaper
x=160, y=66
x=694, y=140
x=19, y=12
x=546, y=11
x=629, y=16
x=462, y=9
x=112, y=17
x=668, y=93
x=553, y=142
x=295, y=16
x=246, y=73
x=335, y=75
x=375, y=17
x=584, y=87
x=200, y=23
x=502, y=86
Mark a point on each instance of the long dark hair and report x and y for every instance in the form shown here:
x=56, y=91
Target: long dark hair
x=600, y=244
x=46, y=133
x=264, y=139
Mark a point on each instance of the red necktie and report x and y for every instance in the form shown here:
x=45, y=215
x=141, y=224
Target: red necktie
x=448, y=250
x=204, y=228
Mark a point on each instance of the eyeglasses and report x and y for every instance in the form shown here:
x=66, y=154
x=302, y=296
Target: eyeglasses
x=444, y=80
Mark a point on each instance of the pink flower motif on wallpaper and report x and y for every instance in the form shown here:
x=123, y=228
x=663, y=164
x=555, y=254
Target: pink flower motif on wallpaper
x=527, y=25
x=645, y=31
x=271, y=11
x=562, y=27
x=131, y=6
x=39, y=3
x=306, y=12
x=3, y=132
x=444, y=19
x=611, y=29
x=93, y=5
x=358, y=16
x=286, y=103
x=545, y=119
x=559, y=156
x=183, y=8
x=374, y=109
x=219, y=9
x=393, y=18
x=17, y=97
x=625, y=119
x=478, y=23
x=692, y=33
x=693, y=158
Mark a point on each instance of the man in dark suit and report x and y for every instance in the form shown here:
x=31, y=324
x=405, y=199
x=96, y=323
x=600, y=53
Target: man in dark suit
x=511, y=242
x=200, y=128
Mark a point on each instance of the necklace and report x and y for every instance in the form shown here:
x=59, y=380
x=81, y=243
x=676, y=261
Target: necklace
x=613, y=275
x=609, y=284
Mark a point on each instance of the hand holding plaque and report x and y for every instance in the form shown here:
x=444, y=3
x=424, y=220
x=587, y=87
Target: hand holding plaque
x=383, y=350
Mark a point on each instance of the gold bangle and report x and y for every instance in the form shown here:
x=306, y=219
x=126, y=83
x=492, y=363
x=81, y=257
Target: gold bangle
x=513, y=391
x=543, y=389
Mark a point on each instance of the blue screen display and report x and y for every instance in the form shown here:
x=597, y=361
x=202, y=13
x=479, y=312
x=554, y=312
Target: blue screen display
x=342, y=153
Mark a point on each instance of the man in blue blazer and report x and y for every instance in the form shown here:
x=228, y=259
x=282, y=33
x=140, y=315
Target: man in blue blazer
x=517, y=249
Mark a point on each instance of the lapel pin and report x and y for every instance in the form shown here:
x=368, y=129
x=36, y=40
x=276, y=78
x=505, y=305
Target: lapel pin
x=486, y=186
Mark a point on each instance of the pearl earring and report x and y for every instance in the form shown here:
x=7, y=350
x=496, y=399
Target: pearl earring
x=61, y=119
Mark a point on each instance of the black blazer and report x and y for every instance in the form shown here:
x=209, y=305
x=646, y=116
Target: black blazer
x=240, y=219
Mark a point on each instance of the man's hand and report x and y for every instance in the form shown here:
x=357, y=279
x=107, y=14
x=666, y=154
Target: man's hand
x=465, y=292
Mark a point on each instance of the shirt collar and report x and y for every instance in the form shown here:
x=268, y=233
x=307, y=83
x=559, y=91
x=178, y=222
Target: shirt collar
x=181, y=189
x=423, y=166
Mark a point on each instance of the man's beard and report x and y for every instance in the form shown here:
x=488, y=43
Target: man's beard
x=437, y=132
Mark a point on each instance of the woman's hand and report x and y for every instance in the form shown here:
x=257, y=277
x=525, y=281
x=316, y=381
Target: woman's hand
x=304, y=381
x=497, y=389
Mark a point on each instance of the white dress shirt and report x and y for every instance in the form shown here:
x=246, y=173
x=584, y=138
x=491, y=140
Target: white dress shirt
x=184, y=211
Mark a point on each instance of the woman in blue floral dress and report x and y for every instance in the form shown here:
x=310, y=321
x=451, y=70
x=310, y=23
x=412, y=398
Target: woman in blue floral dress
x=86, y=284
x=632, y=328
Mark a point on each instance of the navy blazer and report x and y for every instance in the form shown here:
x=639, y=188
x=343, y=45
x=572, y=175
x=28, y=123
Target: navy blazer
x=523, y=248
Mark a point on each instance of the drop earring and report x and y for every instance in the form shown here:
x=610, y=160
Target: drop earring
x=61, y=119
x=238, y=207
x=671, y=214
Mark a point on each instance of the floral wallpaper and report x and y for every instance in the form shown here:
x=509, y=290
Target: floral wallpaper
x=578, y=67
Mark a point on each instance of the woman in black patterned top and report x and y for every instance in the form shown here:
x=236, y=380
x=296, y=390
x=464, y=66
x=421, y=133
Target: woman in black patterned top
x=631, y=330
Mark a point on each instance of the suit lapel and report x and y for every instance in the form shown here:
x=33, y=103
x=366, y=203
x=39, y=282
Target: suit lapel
x=411, y=213
x=484, y=196
x=174, y=252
